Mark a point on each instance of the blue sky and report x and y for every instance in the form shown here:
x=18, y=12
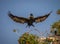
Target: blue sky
x=23, y=8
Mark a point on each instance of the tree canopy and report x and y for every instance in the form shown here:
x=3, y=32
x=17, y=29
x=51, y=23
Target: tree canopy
x=56, y=25
x=58, y=11
x=27, y=38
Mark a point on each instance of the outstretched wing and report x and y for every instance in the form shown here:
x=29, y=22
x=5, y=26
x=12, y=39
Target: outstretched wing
x=41, y=18
x=18, y=19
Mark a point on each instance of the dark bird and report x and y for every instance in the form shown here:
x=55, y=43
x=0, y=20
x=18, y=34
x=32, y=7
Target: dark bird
x=29, y=20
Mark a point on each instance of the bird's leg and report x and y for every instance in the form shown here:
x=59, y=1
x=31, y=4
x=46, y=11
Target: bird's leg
x=27, y=26
x=33, y=25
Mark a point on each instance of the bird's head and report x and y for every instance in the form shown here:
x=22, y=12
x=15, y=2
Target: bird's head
x=31, y=14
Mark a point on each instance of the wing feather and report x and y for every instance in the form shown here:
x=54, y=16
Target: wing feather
x=18, y=19
x=41, y=18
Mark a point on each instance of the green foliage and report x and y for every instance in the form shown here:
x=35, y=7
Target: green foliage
x=58, y=11
x=57, y=26
x=27, y=38
x=14, y=30
x=49, y=40
x=45, y=42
